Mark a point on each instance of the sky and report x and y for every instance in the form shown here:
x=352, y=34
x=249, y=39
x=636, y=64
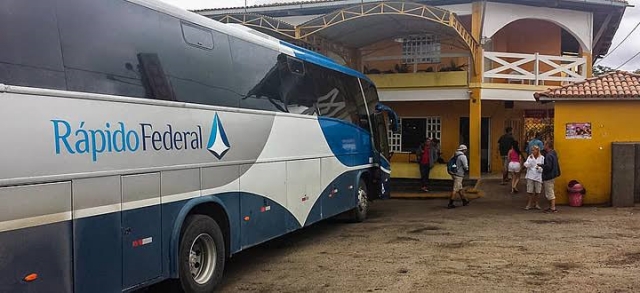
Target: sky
x=626, y=51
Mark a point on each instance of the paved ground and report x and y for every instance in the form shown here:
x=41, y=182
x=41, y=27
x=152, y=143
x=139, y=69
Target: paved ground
x=419, y=246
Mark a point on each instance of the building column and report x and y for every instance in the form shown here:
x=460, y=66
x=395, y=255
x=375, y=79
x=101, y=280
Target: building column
x=475, y=100
x=589, y=65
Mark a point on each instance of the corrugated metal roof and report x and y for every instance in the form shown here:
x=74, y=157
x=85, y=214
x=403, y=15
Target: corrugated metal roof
x=270, y=5
x=327, y=1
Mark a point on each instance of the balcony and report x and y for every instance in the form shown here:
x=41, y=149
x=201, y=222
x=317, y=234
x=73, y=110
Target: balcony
x=533, y=69
x=420, y=79
x=390, y=72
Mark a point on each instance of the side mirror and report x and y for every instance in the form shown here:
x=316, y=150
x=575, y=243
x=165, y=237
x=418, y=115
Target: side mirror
x=393, y=117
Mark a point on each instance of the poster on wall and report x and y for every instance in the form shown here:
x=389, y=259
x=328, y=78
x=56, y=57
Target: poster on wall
x=578, y=130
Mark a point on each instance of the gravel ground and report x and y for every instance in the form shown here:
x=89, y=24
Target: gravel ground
x=419, y=246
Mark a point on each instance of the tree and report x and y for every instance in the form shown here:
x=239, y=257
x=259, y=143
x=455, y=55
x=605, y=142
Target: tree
x=637, y=71
x=600, y=70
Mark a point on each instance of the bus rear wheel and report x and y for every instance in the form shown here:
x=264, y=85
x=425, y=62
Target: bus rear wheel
x=359, y=213
x=202, y=255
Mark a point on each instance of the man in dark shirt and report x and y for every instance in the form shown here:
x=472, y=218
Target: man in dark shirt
x=550, y=171
x=427, y=156
x=504, y=144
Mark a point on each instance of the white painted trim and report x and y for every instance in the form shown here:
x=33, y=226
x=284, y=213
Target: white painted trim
x=34, y=221
x=132, y=205
x=424, y=95
x=96, y=211
x=578, y=23
x=180, y=196
x=507, y=95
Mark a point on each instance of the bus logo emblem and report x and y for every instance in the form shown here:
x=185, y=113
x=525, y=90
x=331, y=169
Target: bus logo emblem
x=218, y=143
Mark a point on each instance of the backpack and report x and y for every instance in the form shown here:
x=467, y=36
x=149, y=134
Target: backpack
x=452, y=167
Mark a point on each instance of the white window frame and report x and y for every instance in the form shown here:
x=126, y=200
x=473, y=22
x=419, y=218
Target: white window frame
x=433, y=128
x=419, y=49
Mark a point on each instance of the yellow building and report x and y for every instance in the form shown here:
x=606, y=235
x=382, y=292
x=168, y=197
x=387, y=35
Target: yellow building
x=460, y=71
x=589, y=117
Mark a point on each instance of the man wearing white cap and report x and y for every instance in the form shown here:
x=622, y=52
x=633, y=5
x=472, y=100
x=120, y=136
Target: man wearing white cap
x=461, y=166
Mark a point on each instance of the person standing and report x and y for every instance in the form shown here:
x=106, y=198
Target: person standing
x=550, y=171
x=515, y=165
x=462, y=165
x=535, y=141
x=504, y=144
x=534, y=164
x=427, y=156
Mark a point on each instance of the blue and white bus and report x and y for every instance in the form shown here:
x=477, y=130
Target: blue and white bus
x=140, y=142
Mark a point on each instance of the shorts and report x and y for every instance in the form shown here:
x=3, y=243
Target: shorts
x=457, y=183
x=549, y=189
x=514, y=167
x=534, y=186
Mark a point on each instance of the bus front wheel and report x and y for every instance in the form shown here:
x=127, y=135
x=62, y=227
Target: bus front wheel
x=202, y=254
x=359, y=213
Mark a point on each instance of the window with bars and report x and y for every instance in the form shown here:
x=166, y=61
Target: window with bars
x=412, y=132
x=421, y=49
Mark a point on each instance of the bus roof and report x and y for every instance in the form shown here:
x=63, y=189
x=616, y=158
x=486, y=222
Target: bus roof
x=319, y=59
x=270, y=42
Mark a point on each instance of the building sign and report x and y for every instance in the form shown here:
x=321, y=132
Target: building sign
x=578, y=131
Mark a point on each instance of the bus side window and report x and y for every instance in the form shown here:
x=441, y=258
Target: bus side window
x=299, y=87
x=30, y=53
x=197, y=36
x=154, y=77
x=256, y=72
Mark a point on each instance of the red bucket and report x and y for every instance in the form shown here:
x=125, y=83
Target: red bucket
x=575, y=199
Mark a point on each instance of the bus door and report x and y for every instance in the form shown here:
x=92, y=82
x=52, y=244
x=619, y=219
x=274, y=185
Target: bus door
x=141, y=228
x=381, y=156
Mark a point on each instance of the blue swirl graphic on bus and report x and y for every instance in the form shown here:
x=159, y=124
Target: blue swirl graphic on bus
x=218, y=143
x=144, y=137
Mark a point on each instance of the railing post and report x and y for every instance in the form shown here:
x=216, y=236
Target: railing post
x=536, y=68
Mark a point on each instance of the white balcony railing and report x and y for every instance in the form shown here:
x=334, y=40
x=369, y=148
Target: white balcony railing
x=533, y=69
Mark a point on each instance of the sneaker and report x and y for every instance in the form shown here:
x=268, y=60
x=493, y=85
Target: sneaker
x=424, y=189
x=550, y=211
x=527, y=208
x=451, y=206
x=538, y=207
x=465, y=202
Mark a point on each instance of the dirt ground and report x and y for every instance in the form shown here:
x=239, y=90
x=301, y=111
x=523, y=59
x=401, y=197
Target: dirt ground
x=419, y=246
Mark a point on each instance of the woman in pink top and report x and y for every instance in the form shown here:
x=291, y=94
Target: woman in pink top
x=515, y=165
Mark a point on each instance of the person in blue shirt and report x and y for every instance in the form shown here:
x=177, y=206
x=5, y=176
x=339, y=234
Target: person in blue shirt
x=535, y=141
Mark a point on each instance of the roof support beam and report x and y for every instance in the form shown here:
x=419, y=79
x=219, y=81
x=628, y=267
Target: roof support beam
x=601, y=31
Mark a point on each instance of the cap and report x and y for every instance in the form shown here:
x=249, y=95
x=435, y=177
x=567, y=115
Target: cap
x=462, y=147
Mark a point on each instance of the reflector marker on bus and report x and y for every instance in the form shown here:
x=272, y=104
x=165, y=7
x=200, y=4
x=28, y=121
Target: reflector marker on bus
x=265, y=209
x=141, y=242
x=305, y=198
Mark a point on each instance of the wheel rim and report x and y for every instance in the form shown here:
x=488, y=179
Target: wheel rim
x=202, y=258
x=362, y=200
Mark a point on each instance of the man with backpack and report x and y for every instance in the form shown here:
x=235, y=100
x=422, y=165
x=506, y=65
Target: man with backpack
x=457, y=166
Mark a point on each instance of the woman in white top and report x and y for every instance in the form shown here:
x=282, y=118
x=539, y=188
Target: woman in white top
x=534, y=177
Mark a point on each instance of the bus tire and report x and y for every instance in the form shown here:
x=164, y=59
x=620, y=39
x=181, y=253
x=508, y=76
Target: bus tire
x=359, y=213
x=202, y=255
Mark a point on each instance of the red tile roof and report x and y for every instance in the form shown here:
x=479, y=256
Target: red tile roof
x=610, y=86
